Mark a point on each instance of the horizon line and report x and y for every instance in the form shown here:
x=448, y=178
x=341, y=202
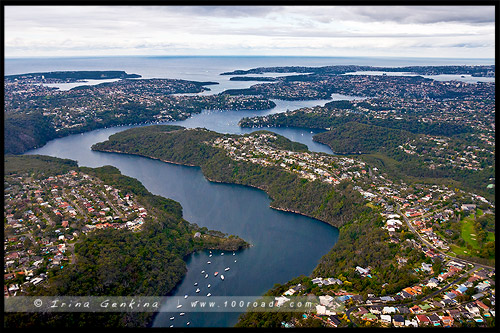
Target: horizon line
x=248, y=56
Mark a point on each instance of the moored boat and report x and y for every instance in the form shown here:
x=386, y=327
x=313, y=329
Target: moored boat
x=222, y=277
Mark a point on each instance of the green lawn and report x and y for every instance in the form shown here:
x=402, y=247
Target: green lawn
x=461, y=250
x=468, y=232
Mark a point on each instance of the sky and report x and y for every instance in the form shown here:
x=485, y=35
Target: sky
x=337, y=31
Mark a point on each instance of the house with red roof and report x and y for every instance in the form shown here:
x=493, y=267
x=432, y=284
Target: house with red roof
x=423, y=320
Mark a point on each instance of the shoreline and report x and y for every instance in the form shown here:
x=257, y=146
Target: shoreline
x=288, y=210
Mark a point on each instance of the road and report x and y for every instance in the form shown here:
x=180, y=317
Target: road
x=424, y=241
x=410, y=227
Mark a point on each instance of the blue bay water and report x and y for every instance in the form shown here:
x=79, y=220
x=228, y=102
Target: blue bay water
x=285, y=245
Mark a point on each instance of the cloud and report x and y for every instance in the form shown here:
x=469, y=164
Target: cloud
x=252, y=29
x=424, y=14
x=222, y=11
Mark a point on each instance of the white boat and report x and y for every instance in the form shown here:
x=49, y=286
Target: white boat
x=235, y=260
x=208, y=286
x=196, y=283
x=209, y=255
x=222, y=277
x=181, y=314
x=206, y=276
x=185, y=296
x=233, y=253
x=215, y=274
x=197, y=290
x=222, y=254
x=188, y=323
x=209, y=294
x=171, y=326
x=226, y=269
x=202, y=272
x=171, y=318
x=208, y=262
x=179, y=306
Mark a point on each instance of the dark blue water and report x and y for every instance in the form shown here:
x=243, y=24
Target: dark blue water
x=285, y=245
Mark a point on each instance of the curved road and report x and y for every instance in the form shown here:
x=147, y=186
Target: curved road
x=410, y=227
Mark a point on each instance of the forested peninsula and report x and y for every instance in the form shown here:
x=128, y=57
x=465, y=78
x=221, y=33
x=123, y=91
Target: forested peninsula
x=108, y=261
x=73, y=76
x=175, y=144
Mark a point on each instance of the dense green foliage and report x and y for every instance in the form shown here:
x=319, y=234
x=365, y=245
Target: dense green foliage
x=364, y=243
x=119, y=262
x=323, y=120
x=287, y=191
x=355, y=137
x=37, y=164
x=26, y=131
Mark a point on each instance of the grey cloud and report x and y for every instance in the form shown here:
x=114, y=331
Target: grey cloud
x=221, y=11
x=426, y=14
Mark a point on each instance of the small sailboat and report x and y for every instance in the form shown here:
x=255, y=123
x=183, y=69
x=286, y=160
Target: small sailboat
x=181, y=314
x=171, y=318
x=226, y=269
x=215, y=274
x=179, y=306
x=196, y=283
x=235, y=260
x=233, y=253
x=202, y=272
x=222, y=277
x=222, y=254
x=171, y=326
x=208, y=286
x=188, y=323
x=209, y=255
x=209, y=294
x=197, y=290
x=208, y=262
x=206, y=276
x=186, y=296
